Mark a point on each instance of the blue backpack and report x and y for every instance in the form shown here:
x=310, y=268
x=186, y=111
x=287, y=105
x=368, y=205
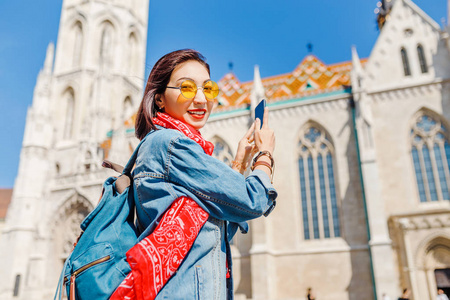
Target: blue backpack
x=97, y=264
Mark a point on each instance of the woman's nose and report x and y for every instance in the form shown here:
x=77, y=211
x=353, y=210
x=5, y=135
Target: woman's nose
x=200, y=96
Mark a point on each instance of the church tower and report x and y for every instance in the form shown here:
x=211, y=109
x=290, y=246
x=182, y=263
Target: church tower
x=89, y=86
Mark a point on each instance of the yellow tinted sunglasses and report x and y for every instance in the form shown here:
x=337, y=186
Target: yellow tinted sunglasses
x=188, y=89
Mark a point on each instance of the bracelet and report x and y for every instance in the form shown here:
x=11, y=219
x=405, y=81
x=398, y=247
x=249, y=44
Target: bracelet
x=262, y=163
x=261, y=153
x=238, y=165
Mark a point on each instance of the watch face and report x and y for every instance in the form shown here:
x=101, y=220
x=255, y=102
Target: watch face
x=260, y=153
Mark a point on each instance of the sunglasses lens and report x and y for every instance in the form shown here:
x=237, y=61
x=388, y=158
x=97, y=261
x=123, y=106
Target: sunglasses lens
x=188, y=89
x=211, y=89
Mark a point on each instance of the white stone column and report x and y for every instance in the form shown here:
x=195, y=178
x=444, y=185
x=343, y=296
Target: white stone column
x=410, y=266
x=383, y=264
x=261, y=265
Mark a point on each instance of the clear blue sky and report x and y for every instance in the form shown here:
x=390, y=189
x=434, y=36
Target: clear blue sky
x=272, y=34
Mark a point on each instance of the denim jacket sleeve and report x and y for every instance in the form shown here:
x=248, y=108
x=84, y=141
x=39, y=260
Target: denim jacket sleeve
x=223, y=192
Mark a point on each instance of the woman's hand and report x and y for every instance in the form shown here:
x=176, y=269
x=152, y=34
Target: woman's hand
x=256, y=139
x=264, y=137
x=246, y=150
x=264, y=141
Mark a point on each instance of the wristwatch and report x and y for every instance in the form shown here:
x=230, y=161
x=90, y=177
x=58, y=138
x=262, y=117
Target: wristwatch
x=261, y=153
x=272, y=163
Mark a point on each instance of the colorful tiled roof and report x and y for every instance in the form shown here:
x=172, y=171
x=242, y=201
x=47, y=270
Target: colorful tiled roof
x=310, y=77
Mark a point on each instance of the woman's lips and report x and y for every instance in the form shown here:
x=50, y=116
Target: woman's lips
x=198, y=113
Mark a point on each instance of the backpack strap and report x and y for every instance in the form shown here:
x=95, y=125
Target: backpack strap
x=60, y=287
x=129, y=166
x=125, y=178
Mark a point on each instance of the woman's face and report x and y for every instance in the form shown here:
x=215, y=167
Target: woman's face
x=196, y=111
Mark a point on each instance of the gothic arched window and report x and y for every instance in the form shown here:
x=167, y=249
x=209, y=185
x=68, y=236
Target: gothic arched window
x=132, y=54
x=318, y=185
x=431, y=157
x=16, y=286
x=106, y=46
x=87, y=161
x=405, y=61
x=78, y=45
x=71, y=224
x=70, y=109
x=222, y=151
x=127, y=109
x=422, y=59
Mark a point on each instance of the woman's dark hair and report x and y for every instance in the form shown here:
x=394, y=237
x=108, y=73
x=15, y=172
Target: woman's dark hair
x=156, y=85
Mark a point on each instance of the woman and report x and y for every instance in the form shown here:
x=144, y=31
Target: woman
x=174, y=162
x=405, y=294
x=310, y=294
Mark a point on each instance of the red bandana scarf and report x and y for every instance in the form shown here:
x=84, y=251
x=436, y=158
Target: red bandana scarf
x=157, y=257
x=167, y=121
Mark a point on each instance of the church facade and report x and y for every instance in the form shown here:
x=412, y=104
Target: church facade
x=362, y=158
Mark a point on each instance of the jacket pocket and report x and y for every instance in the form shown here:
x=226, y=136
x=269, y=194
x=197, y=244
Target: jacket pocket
x=198, y=282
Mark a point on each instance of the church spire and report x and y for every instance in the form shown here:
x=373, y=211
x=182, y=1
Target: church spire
x=258, y=92
x=357, y=73
x=48, y=64
x=357, y=69
x=355, y=60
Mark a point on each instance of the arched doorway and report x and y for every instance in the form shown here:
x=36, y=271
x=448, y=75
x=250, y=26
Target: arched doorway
x=66, y=228
x=443, y=280
x=435, y=263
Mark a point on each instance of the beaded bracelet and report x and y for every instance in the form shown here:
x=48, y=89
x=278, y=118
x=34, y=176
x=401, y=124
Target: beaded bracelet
x=240, y=166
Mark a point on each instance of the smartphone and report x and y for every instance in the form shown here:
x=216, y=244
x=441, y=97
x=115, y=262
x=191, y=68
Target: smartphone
x=259, y=111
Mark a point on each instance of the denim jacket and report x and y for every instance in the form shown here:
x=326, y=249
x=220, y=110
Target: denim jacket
x=170, y=165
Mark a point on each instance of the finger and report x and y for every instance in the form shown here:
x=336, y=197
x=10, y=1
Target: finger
x=254, y=151
x=266, y=118
x=257, y=125
x=249, y=149
x=250, y=131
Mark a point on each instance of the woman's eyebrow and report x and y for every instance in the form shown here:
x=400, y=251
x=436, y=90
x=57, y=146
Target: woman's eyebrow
x=184, y=78
x=187, y=78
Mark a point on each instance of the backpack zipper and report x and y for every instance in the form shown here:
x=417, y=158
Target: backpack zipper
x=83, y=268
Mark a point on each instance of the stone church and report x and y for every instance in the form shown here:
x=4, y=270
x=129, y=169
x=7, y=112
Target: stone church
x=362, y=158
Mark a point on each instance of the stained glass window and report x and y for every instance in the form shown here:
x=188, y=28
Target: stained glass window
x=304, y=200
x=319, y=202
x=430, y=153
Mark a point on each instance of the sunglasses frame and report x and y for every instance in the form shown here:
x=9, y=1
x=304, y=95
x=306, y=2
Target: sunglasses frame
x=196, y=87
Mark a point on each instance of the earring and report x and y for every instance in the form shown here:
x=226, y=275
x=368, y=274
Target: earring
x=160, y=102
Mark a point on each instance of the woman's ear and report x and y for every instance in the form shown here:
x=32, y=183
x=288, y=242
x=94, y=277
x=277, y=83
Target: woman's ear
x=160, y=101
